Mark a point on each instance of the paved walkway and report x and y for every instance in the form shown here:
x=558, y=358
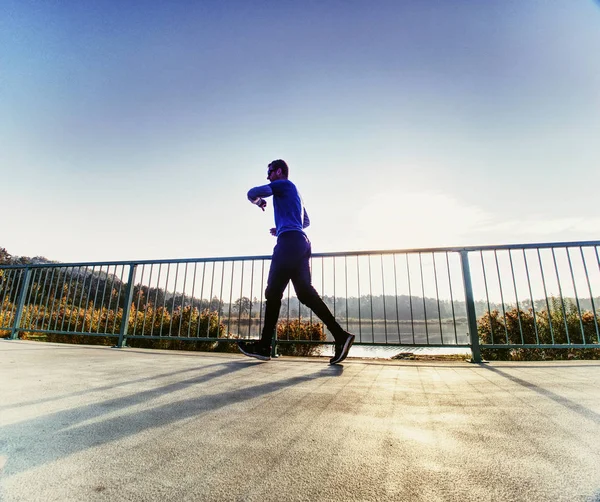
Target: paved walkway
x=81, y=423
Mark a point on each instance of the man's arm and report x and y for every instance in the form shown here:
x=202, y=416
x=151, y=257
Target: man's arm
x=256, y=194
x=305, y=219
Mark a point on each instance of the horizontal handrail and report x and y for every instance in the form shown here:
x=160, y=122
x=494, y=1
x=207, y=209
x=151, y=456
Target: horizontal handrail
x=315, y=255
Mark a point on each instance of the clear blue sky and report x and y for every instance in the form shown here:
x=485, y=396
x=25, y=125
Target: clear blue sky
x=134, y=129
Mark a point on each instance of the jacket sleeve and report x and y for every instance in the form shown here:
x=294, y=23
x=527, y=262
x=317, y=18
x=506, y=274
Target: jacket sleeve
x=259, y=192
x=305, y=219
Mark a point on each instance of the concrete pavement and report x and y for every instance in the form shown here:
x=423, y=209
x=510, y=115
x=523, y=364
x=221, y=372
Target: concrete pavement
x=82, y=423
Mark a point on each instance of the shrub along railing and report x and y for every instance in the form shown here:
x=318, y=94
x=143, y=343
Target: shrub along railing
x=493, y=299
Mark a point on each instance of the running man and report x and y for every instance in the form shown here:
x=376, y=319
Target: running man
x=290, y=261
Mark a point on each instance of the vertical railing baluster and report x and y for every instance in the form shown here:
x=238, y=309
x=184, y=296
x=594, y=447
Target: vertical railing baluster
x=4, y=273
x=451, y=299
x=68, y=293
x=396, y=295
x=74, y=294
x=549, y=313
x=20, y=303
x=289, y=295
x=40, y=301
x=230, y=292
x=20, y=273
x=346, y=285
x=487, y=297
x=576, y=296
x=262, y=294
x=359, y=310
x=334, y=281
x=182, y=309
x=81, y=302
x=512, y=271
x=127, y=307
x=212, y=284
x=118, y=300
x=501, y=296
x=412, y=319
x=220, y=304
x=299, y=309
x=201, y=299
x=252, y=299
x=139, y=299
x=27, y=307
x=470, y=304
x=383, y=292
x=423, y=294
x=562, y=301
x=6, y=281
x=92, y=303
x=110, y=298
x=192, y=311
x=155, y=309
x=101, y=307
x=371, y=300
x=587, y=278
x=174, y=298
x=437, y=294
x=322, y=292
x=87, y=300
x=164, y=306
x=537, y=337
x=60, y=302
x=241, y=301
x=148, y=305
x=48, y=302
x=310, y=312
x=57, y=292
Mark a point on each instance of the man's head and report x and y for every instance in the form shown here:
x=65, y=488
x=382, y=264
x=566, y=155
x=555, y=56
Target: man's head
x=278, y=170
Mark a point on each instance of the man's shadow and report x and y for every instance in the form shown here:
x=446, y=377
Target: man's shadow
x=48, y=438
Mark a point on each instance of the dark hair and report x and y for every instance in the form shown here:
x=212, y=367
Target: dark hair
x=280, y=164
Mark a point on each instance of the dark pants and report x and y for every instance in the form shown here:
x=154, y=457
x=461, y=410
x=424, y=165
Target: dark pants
x=290, y=262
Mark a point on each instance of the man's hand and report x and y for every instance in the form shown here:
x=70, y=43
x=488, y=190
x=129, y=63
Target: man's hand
x=260, y=202
x=273, y=232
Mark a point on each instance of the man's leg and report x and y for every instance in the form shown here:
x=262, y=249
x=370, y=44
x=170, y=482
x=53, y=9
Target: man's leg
x=273, y=296
x=307, y=294
x=278, y=279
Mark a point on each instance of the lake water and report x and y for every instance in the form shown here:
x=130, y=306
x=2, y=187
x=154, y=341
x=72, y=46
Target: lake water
x=389, y=352
x=378, y=332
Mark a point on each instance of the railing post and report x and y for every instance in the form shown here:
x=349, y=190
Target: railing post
x=126, y=308
x=21, y=304
x=470, y=304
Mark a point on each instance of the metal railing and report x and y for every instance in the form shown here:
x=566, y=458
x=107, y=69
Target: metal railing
x=492, y=297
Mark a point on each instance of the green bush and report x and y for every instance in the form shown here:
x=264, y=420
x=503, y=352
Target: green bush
x=157, y=322
x=300, y=331
x=561, y=325
x=182, y=322
x=7, y=317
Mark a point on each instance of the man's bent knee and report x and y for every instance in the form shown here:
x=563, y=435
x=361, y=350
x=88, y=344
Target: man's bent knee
x=307, y=296
x=273, y=295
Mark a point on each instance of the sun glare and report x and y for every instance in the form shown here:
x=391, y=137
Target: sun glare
x=401, y=220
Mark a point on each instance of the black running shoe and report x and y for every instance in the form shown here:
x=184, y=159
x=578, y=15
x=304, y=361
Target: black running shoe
x=342, y=349
x=253, y=349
